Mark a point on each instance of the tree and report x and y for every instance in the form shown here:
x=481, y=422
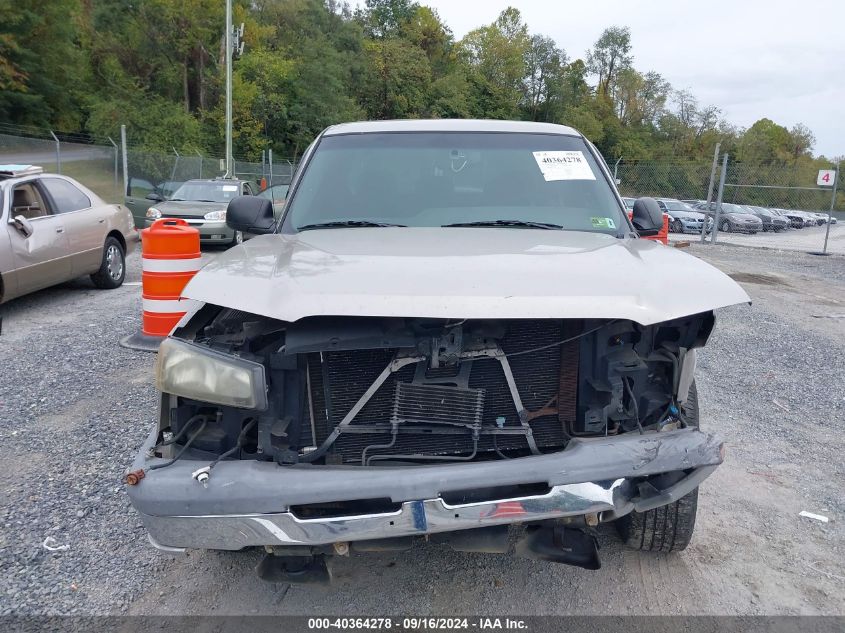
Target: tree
x=43, y=71
x=384, y=18
x=397, y=80
x=609, y=56
x=544, y=68
x=495, y=55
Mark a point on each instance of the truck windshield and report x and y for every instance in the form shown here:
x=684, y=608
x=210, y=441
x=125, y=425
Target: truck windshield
x=423, y=179
x=200, y=191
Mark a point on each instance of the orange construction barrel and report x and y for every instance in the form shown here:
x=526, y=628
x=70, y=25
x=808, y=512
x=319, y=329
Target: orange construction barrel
x=170, y=256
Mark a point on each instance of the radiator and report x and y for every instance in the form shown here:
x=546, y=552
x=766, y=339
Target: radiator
x=543, y=377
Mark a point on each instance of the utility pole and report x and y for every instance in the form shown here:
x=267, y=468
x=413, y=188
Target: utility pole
x=229, y=161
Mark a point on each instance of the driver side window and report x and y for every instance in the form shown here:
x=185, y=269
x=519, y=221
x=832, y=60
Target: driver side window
x=28, y=202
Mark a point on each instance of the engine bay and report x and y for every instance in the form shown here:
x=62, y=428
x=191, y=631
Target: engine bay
x=408, y=391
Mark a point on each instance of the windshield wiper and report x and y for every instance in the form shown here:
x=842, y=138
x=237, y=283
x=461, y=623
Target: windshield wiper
x=518, y=223
x=339, y=224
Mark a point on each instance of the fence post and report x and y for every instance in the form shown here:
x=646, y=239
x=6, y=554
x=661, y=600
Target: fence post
x=58, y=153
x=830, y=213
x=270, y=157
x=175, y=164
x=719, y=199
x=710, y=189
x=115, y=162
x=199, y=153
x=125, y=160
x=616, y=172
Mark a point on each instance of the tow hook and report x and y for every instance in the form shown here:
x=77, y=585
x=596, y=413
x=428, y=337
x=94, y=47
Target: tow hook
x=201, y=475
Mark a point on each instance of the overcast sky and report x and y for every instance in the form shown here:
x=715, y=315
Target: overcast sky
x=751, y=58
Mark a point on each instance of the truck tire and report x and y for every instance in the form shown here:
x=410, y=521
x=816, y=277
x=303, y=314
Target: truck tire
x=668, y=528
x=113, y=266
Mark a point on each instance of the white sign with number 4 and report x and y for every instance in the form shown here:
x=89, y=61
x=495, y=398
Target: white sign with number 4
x=826, y=177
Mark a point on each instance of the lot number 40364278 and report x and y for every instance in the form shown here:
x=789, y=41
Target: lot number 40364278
x=826, y=177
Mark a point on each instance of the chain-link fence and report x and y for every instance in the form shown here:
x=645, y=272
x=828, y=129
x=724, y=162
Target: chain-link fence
x=772, y=205
x=97, y=166
x=98, y=163
x=786, y=191
x=683, y=180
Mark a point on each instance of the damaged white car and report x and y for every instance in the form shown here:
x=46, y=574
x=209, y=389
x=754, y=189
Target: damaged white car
x=452, y=328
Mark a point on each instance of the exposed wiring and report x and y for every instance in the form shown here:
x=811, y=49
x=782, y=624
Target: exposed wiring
x=237, y=445
x=181, y=432
x=634, y=402
x=184, y=448
x=563, y=342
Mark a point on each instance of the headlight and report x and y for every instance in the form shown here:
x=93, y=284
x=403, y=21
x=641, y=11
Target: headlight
x=153, y=213
x=216, y=215
x=199, y=373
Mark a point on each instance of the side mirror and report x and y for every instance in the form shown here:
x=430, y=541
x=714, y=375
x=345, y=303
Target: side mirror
x=250, y=214
x=155, y=197
x=648, y=218
x=23, y=225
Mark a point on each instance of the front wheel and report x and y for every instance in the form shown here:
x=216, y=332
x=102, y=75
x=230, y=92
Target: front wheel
x=665, y=529
x=668, y=528
x=677, y=227
x=238, y=238
x=112, y=268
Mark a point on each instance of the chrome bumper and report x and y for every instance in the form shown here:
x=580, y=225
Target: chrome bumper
x=609, y=477
x=415, y=518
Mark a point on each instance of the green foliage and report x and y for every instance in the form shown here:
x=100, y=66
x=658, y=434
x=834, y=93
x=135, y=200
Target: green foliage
x=42, y=67
x=157, y=66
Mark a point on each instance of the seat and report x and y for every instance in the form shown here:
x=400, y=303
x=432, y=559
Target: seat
x=25, y=203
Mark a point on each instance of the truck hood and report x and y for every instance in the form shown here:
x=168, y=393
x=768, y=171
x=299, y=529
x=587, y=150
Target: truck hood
x=471, y=273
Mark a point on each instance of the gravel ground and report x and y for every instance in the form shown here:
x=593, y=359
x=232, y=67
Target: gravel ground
x=804, y=240
x=74, y=407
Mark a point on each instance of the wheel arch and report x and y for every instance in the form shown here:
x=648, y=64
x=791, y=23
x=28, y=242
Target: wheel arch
x=119, y=237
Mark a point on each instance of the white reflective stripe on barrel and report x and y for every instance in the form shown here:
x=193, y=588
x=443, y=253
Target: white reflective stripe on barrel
x=165, y=306
x=171, y=265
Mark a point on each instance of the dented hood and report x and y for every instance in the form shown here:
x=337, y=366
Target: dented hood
x=471, y=273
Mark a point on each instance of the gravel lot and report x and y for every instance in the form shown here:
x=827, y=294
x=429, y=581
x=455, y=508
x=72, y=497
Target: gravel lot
x=805, y=240
x=74, y=406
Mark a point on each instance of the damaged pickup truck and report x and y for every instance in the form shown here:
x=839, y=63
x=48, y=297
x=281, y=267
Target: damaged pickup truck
x=452, y=328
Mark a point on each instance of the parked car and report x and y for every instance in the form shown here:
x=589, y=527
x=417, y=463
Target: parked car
x=780, y=213
x=796, y=218
x=683, y=218
x=810, y=219
x=771, y=221
x=821, y=218
x=141, y=194
x=53, y=229
x=629, y=203
x=202, y=204
x=453, y=328
x=733, y=218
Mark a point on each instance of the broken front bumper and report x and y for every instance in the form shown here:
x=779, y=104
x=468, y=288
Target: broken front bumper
x=248, y=503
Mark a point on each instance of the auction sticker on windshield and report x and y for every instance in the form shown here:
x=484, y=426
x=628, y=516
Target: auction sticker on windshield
x=603, y=223
x=564, y=166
